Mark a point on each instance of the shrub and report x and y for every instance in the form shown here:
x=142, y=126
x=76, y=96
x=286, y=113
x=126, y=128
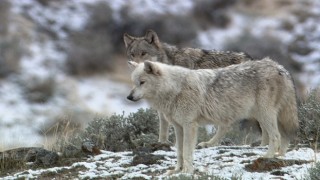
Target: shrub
x=8, y=165
x=314, y=172
x=117, y=132
x=309, y=116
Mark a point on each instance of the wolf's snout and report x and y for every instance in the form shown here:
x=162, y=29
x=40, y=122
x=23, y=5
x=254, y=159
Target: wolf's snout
x=130, y=97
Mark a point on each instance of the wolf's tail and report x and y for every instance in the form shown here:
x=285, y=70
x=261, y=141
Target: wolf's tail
x=288, y=116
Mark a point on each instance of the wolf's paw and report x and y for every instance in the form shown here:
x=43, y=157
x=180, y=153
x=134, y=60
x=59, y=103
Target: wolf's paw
x=202, y=145
x=282, y=152
x=269, y=155
x=188, y=170
x=263, y=144
x=175, y=171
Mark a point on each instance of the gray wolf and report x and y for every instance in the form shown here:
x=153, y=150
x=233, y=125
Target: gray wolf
x=150, y=47
x=261, y=90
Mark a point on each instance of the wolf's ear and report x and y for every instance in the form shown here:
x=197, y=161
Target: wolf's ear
x=152, y=38
x=132, y=65
x=152, y=68
x=127, y=39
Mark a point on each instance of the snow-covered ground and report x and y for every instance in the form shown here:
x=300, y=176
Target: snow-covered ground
x=220, y=161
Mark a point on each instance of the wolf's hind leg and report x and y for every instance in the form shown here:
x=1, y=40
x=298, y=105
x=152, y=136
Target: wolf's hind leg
x=285, y=141
x=268, y=121
x=222, y=130
x=264, y=137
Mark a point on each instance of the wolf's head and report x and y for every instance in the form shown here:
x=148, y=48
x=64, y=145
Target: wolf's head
x=140, y=49
x=146, y=78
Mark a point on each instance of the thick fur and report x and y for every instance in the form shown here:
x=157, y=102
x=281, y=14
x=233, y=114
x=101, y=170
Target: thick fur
x=149, y=47
x=261, y=90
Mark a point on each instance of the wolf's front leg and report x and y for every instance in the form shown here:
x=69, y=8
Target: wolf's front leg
x=179, y=144
x=163, y=129
x=189, y=142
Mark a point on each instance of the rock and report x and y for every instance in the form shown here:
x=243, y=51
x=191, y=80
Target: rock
x=72, y=151
x=146, y=158
x=90, y=148
x=269, y=164
x=227, y=142
x=161, y=146
x=145, y=140
x=45, y=157
x=39, y=156
x=143, y=155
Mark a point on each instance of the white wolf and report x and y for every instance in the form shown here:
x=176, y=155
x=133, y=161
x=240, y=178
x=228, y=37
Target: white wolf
x=262, y=90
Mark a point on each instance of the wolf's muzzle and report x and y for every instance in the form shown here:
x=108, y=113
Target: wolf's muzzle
x=130, y=97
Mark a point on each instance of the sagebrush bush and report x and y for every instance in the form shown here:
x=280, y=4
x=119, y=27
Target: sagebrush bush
x=117, y=132
x=314, y=172
x=8, y=164
x=309, y=117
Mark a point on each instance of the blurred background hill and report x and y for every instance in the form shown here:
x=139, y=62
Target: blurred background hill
x=63, y=62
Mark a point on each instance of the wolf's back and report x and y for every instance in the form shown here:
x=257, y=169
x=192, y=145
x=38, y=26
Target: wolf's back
x=217, y=59
x=194, y=58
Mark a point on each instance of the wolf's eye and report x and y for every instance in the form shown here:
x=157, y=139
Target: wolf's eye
x=143, y=53
x=132, y=55
x=142, y=82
